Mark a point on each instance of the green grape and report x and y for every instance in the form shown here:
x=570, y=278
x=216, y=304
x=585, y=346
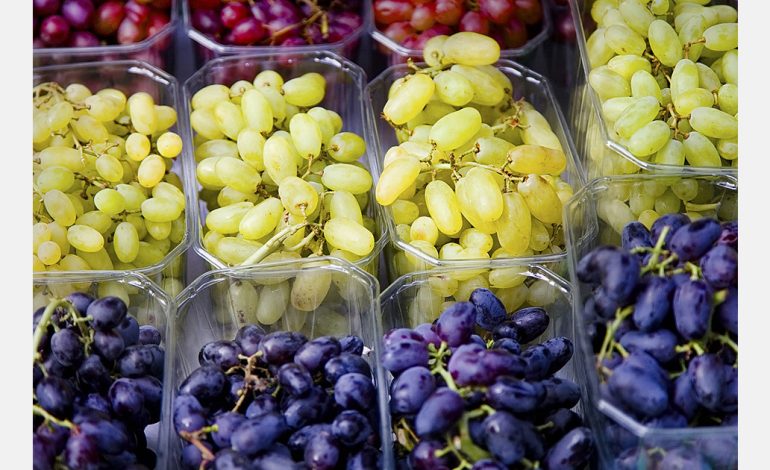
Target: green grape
x=640, y=201
x=88, y=129
x=109, y=201
x=636, y=16
x=433, y=51
x=728, y=148
x=600, y=7
x=472, y=238
x=424, y=229
x=278, y=155
x=409, y=99
x=169, y=191
x=613, y=17
x=268, y=78
x=396, y=178
x=166, y=117
x=59, y=116
x=667, y=203
x=453, y=88
x=226, y=220
x=721, y=37
x=169, y=144
x=685, y=189
x=616, y=213
x=132, y=196
x=684, y=77
x=137, y=146
x=204, y=122
x=643, y=111
x=97, y=220
x=730, y=67
x=234, y=251
x=535, y=159
x=344, y=204
x=649, y=139
x=539, y=238
x=699, y=151
x=229, y=119
x=492, y=151
x=608, y=84
x=623, y=40
x=306, y=135
x=727, y=97
x=72, y=262
x=161, y=209
x=691, y=99
x=455, y=129
x=485, y=198
x=499, y=76
x=346, y=147
x=298, y=196
x=690, y=34
x=310, y=289
x=644, y=84
x=262, y=219
x=614, y=107
x=443, y=207
x=58, y=235
x=100, y=259
x=659, y=7
x=486, y=90
x=665, y=43
x=627, y=65
x=85, y=238
x=237, y=174
x=158, y=230
x=598, y=51
x=59, y=207
x=151, y=171
x=103, y=108
x=467, y=198
x=142, y=111
x=61, y=156
x=541, y=198
x=277, y=102
x=326, y=123
x=126, y=242
x=272, y=303
x=714, y=123
x=209, y=96
x=347, y=177
x=469, y=48
x=257, y=111
x=54, y=177
x=250, y=148
x=306, y=90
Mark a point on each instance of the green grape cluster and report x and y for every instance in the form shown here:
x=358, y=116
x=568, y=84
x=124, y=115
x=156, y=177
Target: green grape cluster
x=477, y=174
x=666, y=73
x=280, y=177
x=104, y=194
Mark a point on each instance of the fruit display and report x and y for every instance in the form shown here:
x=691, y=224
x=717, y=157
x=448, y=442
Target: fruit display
x=270, y=400
x=280, y=174
x=403, y=27
x=97, y=384
x=89, y=23
x=664, y=76
x=475, y=173
x=105, y=196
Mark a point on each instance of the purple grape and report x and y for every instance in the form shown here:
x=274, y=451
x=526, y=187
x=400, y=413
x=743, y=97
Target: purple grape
x=231, y=459
x=317, y=352
x=405, y=354
x=439, y=412
x=683, y=396
x=634, y=235
x=720, y=266
x=669, y=420
x=490, y=311
x=397, y=335
x=46, y=7
x=681, y=458
x=562, y=421
x=466, y=368
x=423, y=456
x=410, y=390
x=295, y=379
x=309, y=409
x=692, y=306
x=529, y=322
x=109, y=345
x=261, y=405
x=248, y=338
x=351, y=428
x=488, y=464
x=455, y=324
x=343, y=364
x=354, y=391
x=673, y=221
x=223, y=354
x=729, y=235
x=55, y=395
x=574, y=450
x=560, y=393
x=504, y=437
x=81, y=301
x=351, y=344
x=129, y=330
x=148, y=334
x=206, y=383
x=516, y=396
x=107, y=312
x=126, y=397
x=54, y=31
x=707, y=375
x=659, y=344
x=653, y=303
x=93, y=375
x=693, y=240
x=299, y=439
x=82, y=452
x=561, y=350
x=66, y=347
x=726, y=313
x=188, y=414
x=78, y=13
x=638, y=390
x=428, y=334
x=258, y=434
x=279, y=347
x=322, y=452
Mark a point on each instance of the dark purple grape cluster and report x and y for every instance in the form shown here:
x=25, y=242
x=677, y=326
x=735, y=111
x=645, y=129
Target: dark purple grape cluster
x=276, y=22
x=471, y=391
x=97, y=385
x=279, y=401
x=663, y=318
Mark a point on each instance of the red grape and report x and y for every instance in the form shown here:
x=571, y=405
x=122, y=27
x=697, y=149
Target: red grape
x=565, y=27
x=259, y=10
x=206, y=21
x=108, y=17
x=159, y=4
x=348, y=18
x=247, y=32
x=423, y=16
x=204, y=4
x=399, y=31
x=515, y=34
x=130, y=32
x=529, y=11
x=449, y=12
x=158, y=20
x=38, y=43
x=78, y=13
x=54, y=30
x=232, y=14
x=390, y=11
x=293, y=41
x=83, y=39
x=284, y=9
x=137, y=12
x=497, y=11
x=46, y=7
x=475, y=22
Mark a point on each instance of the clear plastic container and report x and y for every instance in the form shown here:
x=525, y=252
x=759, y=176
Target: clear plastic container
x=587, y=228
x=212, y=308
x=132, y=76
x=527, y=84
x=399, y=54
x=147, y=302
x=157, y=50
x=419, y=297
x=206, y=48
x=603, y=156
x=344, y=88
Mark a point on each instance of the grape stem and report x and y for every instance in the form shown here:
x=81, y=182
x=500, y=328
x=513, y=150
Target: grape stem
x=40, y=411
x=194, y=439
x=45, y=320
x=612, y=326
x=273, y=243
x=657, y=250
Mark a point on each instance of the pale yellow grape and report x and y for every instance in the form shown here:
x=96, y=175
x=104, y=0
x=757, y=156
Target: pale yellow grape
x=423, y=228
x=59, y=115
x=278, y=157
x=109, y=168
x=138, y=222
x=228, y=195
x=608, y=84
x=722, y=37
x=599, y=52
x=714, y=123
x=473, y=238
x=707, y=78
x=416, y=262
x=535, y=159
x=88, y=129
x=485, y=195
x=238, y=88
x=79, y=203
x=665, y=43
x=486, y=90
x=103, y=108
x=169, y=144
x=209, y=96
x=648, y=217
x=498, y=75
x=347, y=234
x=306, y=135
x=58, y=234
x=684, y=77
x=226, y=220
x=142, y=112
x=326, y=123
x=469, y=48
x=169, y=191
x=636, y=16
x=614, y=107
x=667, y=203
x=514, y=227
x=277, y=102
x=636, y=116
x=691, y=99
x=291, y=220
x=126, y=242
x=700, y=151
x=433, y=51
x=298, y=196
x=98, y=260
x=644, y=84
x=402, y=232
x=728, y=98
x=690, y=34
x=466, y=199
x=268, y=78
x=649, y=139
x=730, y=67
x=310, y=289
x=41, y=132
x=72, y=262
x=344, y=204
x=640, y=202
x=272, y=303
x=613, y=17
x=346, y=147
x=250, y=147
x=158, y=230
x=97, y=220
x=40, y=233
x=409, y=99
x=616, y=213
x=541, y=198
x=623, y=40
x=137, y=146
x=306, y=90
x=166, y=117
x=685, y=189
x=85, y=238
x=109, y=201
x=234, y=251
x=628, y=65
x=452, y=88
x=61, y=156
x=161, y=209
x=59, y=207
x=54, y=177
x=210, y=240
x=347, y=177
x=541, y=293
x=229, y=119
x=455, y=129
x=539, y=238
x=204, y=123
x=443, y=207
x=728, y=148
x=237, y=174
x=132, y=196
x=151, y=171
x=257, y=112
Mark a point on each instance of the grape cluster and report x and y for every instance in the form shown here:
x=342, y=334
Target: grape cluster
x=92, y=23
x=97, y=384
x=663, y=319
x=411, y=23
x=667, y=78
x=280, y=178
x=276, y=22
x=104, y=196
x=476, y=170
x=470, y=392
x=278, y=400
